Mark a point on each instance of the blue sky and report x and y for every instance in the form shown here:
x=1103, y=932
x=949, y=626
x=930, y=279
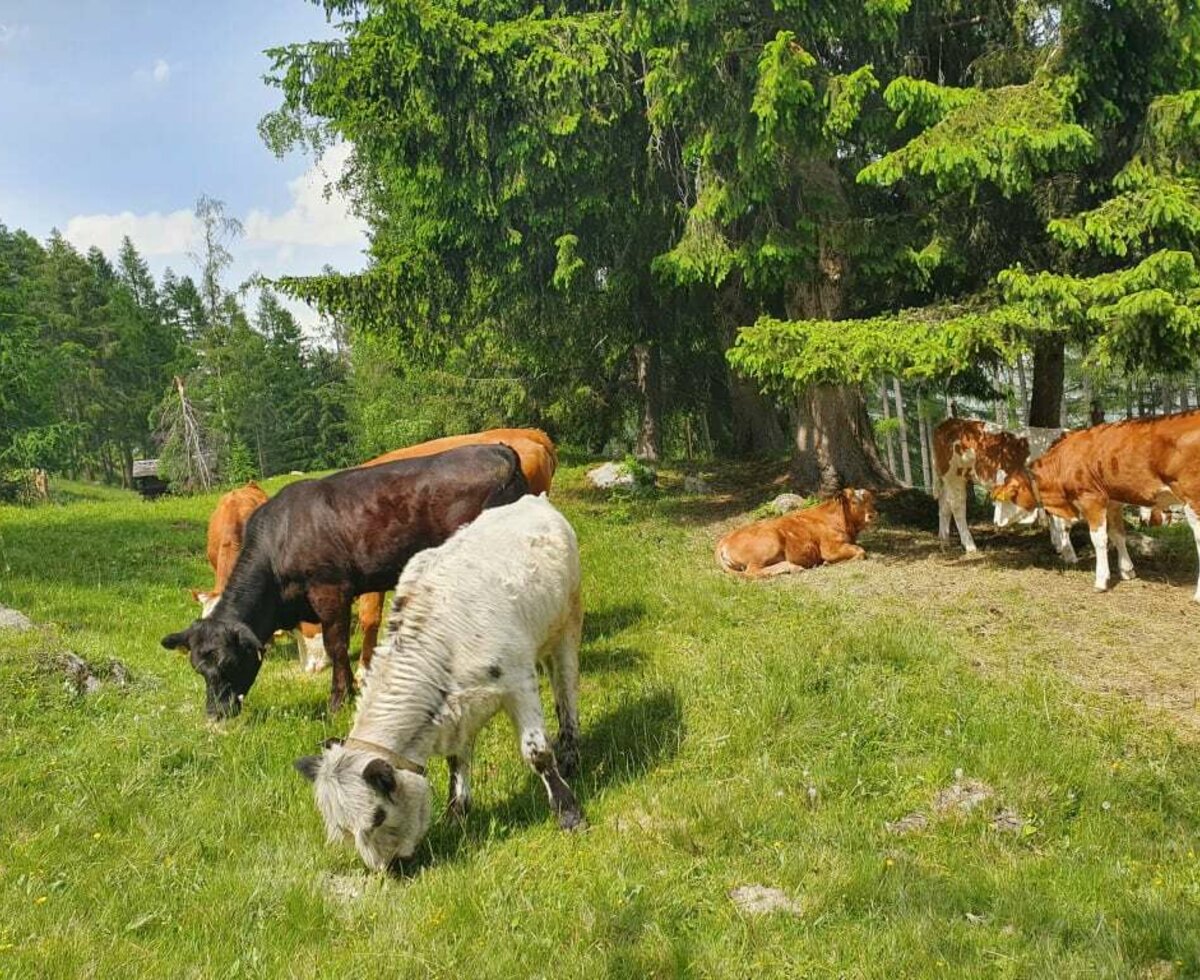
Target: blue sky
x=116, y=116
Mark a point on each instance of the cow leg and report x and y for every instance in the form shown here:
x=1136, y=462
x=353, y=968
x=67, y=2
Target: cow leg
x=460, y=782
x=1116, y=529
x=956, y=489
x=311, y=644
x=524, y=707
x=943, y=499
x=370, y=615
x=842, y=551
x=564, y=680
x=1060, y=538
x=1097, y=518
x=333, y=606
x=1193, y=520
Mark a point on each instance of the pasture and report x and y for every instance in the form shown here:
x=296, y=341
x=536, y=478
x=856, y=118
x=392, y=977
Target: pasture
x=950, y=767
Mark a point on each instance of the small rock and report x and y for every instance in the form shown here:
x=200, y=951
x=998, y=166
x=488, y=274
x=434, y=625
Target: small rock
x=82, y=678
x=696, y=484
x=10, y=619
x=786, y=502
x=962, y=796
x=1008, y=821
x=908, y=824
x=761, y=900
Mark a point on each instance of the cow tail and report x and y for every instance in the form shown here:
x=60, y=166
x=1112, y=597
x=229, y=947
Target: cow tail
x=513, y=486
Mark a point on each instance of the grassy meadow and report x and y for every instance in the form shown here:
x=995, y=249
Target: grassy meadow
x=823, y=735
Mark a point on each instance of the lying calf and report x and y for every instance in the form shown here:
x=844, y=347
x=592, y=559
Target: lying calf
x=800, y=540
x=469, y=623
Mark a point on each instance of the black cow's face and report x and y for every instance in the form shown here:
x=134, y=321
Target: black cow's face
x=226, y=655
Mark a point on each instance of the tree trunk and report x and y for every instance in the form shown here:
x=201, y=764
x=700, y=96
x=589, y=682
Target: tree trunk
x=755, y=423
x=1185, y=404
x=647, y=360
x=905, y=462
x=888, y=442
x=1168, y=399
x=835, y=445
x=923, y=435
x=126, y=466
x=1045, y=404
x=1022, y=387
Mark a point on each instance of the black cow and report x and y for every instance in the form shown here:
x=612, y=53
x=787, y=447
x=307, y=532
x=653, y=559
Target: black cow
x=319, y=543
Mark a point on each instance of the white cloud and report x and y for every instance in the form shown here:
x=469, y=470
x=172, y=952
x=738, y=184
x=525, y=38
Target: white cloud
x=10, y=34
x=314, y=217
x=159, y=73
x=153, y=234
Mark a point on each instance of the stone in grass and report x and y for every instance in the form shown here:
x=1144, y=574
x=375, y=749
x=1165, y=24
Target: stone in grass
x=786, y=502
x=962, y=796
x=1008, y=821
x=696, y=484
x=761, y=900
x=908, y=824
x=82, y=678
x=610, y=475
x=10, y=619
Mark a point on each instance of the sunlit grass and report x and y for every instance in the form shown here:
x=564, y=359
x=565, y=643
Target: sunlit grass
x=734, y=733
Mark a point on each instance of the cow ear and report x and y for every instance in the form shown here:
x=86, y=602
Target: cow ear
x=308, y=766
x=380, y=777
x=176, y=641
x=247, y=640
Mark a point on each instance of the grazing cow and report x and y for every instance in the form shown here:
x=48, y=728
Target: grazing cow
x=470, y=622
x=319, y=543
x=539, y=459
x=799, y=540
x=1090, y=473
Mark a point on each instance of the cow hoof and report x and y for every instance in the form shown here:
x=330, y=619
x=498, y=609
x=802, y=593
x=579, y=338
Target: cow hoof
x=1128, y=576
x=315, y=666
x=1100, y=588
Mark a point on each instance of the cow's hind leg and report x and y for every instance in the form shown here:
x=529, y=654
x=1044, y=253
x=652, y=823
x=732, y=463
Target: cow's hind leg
x=1116, y=530
x=564, y=679
x=1193, y=520
x=958, y=490
x=370, y=615
x=524, y=707
x=943, y=500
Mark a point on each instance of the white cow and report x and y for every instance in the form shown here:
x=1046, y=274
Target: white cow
x=469, y=624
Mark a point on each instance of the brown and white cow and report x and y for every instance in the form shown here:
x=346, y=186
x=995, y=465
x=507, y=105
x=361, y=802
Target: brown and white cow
x=970, y=451
x=823, y=534
x=1090, y=473
x=539, y=459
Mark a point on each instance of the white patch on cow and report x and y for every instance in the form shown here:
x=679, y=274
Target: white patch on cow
x=313, y=657
x=1100, y=543
x=1193, y=520
x=208, y=602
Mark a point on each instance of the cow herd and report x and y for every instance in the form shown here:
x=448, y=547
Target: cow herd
x=489, y=588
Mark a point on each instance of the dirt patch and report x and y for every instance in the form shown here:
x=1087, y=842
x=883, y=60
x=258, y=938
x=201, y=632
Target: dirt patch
x=961, y=796
x=10, y=619
x=761, y=900
x=83, y=678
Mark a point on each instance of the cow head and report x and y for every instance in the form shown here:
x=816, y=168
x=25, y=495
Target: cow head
x=859, y=508
x=363, y=798
x=227, y=655
x=1015, y=499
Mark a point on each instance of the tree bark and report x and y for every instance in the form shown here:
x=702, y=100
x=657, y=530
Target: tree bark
x=648, y=362
x=1049, y=365
x=888, y=442
x=127, y=466
x=1022, y=386
x=835, y=446
x=923, y=435
x=755, y=423
x=905, y=462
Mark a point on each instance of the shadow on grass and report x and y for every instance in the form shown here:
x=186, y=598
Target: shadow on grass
x=611, y=660
x=611, y=620
x=626, y=743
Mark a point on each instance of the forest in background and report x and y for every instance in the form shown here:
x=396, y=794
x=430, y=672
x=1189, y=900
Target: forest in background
x=725, y=227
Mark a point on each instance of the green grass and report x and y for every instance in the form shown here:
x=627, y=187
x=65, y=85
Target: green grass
x=141, y=840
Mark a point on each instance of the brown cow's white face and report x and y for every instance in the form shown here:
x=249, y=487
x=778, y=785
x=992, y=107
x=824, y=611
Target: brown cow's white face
x=1015, y=499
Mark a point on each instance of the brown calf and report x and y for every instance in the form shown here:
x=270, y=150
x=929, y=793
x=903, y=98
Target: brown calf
x=1089, y=474
x=967, y=451
x=813, y=536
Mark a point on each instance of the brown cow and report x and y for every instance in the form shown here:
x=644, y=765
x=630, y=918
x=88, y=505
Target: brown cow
x=1089, y=474
x=821, y=534
x=225, y=529
x=539, y=459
